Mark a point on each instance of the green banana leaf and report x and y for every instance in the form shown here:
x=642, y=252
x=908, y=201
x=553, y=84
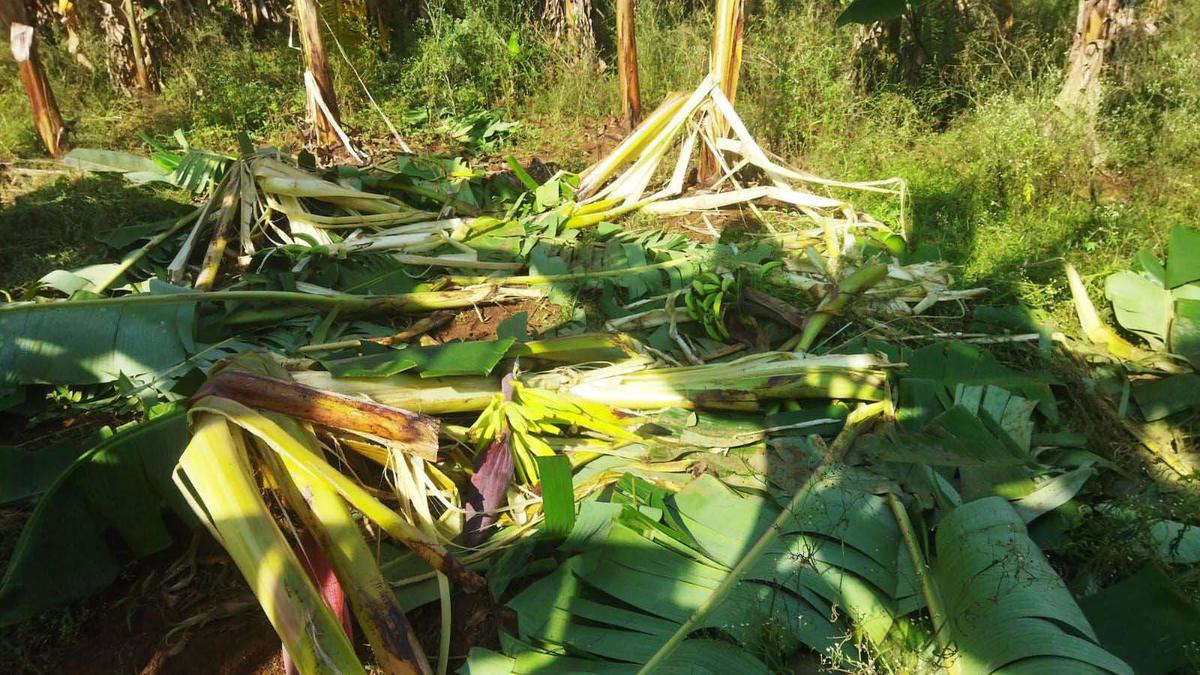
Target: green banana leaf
x=107, y=505
x=647, y=565
x=1007, y=610
x=1146, y=621
x=1162, y=303
x=1184, y=337
x=135, y=168
x=937, y=372
x=1166, y=396
x=1183, y=261
x=60, y=344
x=1141, y=306
x=25, y=474
x=454, y=358
x=193, y=170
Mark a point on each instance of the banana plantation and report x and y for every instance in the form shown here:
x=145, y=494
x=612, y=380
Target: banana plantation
x=565, y=336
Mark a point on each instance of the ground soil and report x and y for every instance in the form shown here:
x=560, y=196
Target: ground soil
x=481, y=323
x=186, y=611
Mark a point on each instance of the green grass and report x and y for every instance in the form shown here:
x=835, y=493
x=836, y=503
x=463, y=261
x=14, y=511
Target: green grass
x=58, y=223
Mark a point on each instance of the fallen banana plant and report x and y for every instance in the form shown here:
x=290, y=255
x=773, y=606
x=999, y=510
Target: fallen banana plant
x=216, y=475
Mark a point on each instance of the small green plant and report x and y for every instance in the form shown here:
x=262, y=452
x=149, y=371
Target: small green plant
x=707, y=300
x=479, y=131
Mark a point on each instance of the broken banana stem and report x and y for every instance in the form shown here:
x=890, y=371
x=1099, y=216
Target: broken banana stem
x=215, y=475
x=328, y=520
x=837, y=301
x=306, y=460
x=409, y=432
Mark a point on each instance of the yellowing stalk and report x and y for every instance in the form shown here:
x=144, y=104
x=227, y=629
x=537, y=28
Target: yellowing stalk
x=742, y=384
x=281, y=442
x=326, y=517
x=225, y=496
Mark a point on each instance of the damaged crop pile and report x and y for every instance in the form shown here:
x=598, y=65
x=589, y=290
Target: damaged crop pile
x=690, y=445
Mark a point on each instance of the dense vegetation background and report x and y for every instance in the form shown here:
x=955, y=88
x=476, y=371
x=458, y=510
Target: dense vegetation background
x=1001, y=181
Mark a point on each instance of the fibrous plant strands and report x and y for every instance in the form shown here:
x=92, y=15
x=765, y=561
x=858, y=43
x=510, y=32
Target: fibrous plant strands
x=46, y=116
x=741, y=384
x=637, y=384
x=282, y=188
x=627, y=65
x=837, y=301
x=281, y=180
x=571, y=22
x=323, y=107
x=622, y=182
x=278, y=440
x=425, y=395
x=215, y=476
x=725, y=64
x=330, y=523
x=405, y=431
x=223, y=229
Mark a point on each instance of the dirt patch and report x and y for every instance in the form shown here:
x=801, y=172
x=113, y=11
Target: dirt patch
x=176, y=613
x=709, y=226
x=244, y=645
x=481, y=323
x=475, y=621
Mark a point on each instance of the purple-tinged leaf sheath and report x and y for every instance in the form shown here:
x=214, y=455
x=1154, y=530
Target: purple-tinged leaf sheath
x=489, y=489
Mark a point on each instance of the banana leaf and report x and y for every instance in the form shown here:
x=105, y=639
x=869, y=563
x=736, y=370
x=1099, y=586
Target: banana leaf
x=1162, y=303
x=1141, y=306
x=56, y=343
x=1166, y=396
x=25, y=474
x=950, y=365
x=1007, y=609
x=1145, y=620
x=1183, y=261
x=107, y=505
x=646, y=568
x=135, y=168
x=455, y=358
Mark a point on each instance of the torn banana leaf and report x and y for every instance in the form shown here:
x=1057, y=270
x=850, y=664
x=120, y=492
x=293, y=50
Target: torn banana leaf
x=116, y=492
x=1007, y=609
x=651, y=559
x=45, y=343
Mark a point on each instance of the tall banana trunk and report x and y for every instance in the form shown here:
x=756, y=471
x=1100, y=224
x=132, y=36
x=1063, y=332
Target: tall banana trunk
x=322, y=101
x=1095, y=30
x=130, y=56
x=1099, y=26
x=571, y=22
x=627, y=65
x=46, y=116
x=141, y=70
x=724, y=63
